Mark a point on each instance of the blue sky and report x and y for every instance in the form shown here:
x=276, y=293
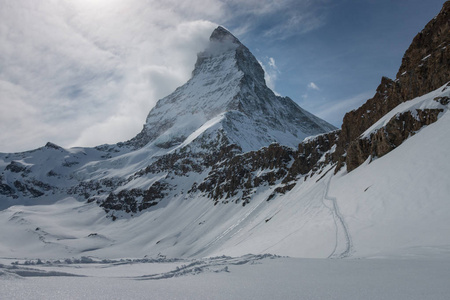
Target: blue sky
x=351, y=45
x=86, y=72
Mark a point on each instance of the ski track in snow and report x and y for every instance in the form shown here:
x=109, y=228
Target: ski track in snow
x=214, y=264
x=339, y=222
x=186, y=267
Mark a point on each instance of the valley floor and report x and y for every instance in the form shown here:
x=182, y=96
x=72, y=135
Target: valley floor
x=246, y=277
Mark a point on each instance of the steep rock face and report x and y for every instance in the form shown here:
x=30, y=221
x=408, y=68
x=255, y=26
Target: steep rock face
x=425, y=65
x=242, y=174
x=424, y=68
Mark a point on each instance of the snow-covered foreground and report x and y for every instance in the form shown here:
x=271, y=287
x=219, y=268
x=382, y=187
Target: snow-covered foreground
x=247, y=277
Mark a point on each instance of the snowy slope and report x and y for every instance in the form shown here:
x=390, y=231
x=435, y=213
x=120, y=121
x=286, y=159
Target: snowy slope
x=400, y=203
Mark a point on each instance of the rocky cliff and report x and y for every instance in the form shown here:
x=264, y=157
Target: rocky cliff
x=424, y=68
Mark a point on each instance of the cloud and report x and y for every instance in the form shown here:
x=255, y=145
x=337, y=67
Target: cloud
x=313, y=86
x=270, y=72
x=272, y=63
x=298, y=16
x=82, y=73
x=91, y=69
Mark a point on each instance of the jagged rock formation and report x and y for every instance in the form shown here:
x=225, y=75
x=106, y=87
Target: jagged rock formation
x=424, y=68
x=389, y=137
x=270, y=166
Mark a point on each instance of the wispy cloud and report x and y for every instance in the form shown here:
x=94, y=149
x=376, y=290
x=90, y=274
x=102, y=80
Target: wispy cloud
x=334, y=112
x=270, y=72
x=299, y=16
x=313, y=86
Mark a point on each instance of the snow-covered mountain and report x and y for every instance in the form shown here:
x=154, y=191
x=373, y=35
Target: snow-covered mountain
x=227, y=93
x=224, y=166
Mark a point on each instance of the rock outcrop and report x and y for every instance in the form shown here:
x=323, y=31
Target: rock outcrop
x=424, y=68
x=386, y=139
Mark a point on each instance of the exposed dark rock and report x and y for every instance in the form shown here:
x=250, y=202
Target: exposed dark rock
x=241, y=172
x=69, y=164
x=384, y=140
x=52, y=173
x=50, y=145
x=310, y=152
x=183, y=161
x=6, y=190
x=442, y=100
x=425, y=65
x=88, y=189
x=135, y=200
x=20, y=186
x=17, y=167
x=34, y=192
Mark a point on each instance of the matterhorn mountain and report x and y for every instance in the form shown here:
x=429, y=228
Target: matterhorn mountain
x=225, y=166
x=227, y=95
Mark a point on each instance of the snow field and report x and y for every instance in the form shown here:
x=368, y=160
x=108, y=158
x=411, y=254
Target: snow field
x=248, y=277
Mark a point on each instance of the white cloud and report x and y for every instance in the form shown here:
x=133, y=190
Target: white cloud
x=88, y=72
x=313, y=86
x=272, y=63
x=270, y=72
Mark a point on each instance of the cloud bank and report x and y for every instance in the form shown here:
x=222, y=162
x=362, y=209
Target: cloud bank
x=87, y=72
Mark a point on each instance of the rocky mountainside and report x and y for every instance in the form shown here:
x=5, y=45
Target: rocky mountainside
x=424, y=68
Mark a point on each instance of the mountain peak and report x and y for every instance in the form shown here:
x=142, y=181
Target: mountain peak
x=220, y=34
x=221, y=42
